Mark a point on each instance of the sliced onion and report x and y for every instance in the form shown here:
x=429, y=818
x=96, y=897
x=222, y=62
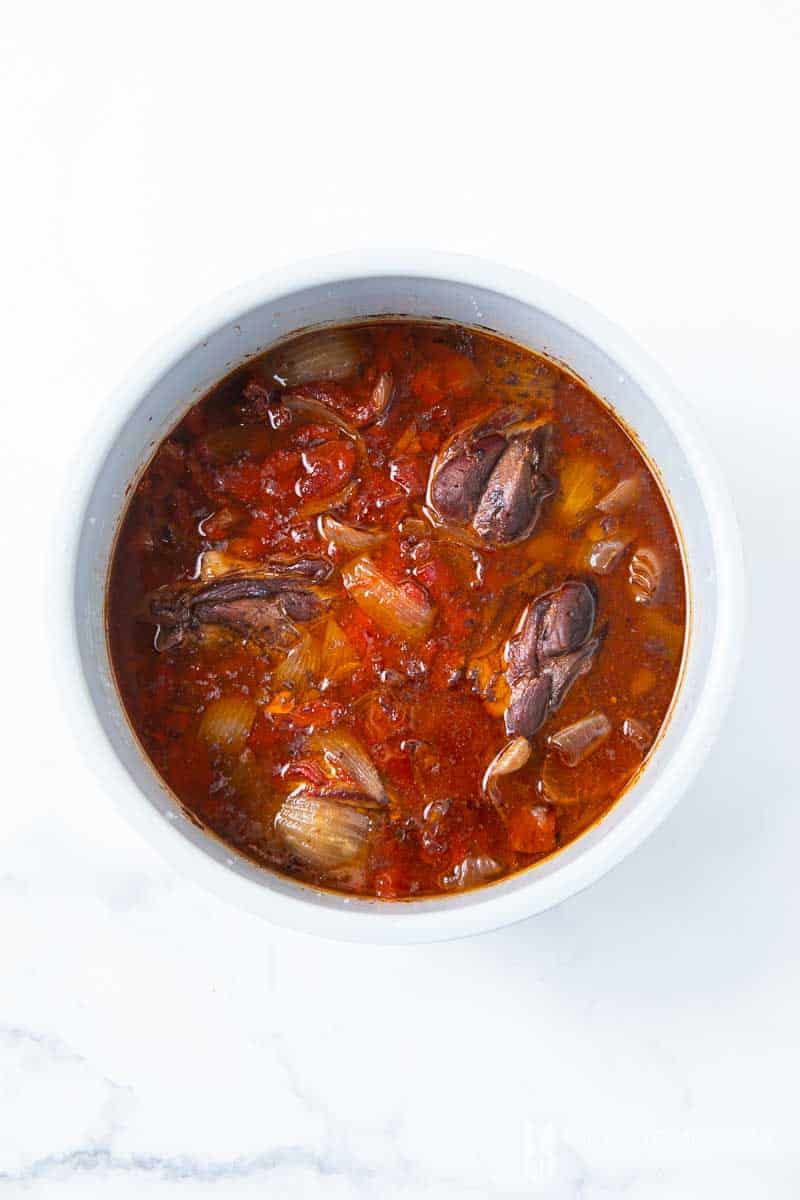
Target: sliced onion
x=321, y=831
x=346, y=761
x=604, y=556
x=315, y=410
x=214, y=563
x=301, y=666
x=644, y=573
x=637, y=732
x=339, y=658
x=324, y=354
x=350, y=539
x=511, y=758
x=576, y=742
x=227, y=722
x=472, y=870
x=320, y=504
x=396, y=610
x=381, y=396
x=620, y=497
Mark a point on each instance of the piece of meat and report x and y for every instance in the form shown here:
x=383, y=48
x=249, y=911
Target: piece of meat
x=491, y=475
x=516, y=489
x=457, y=487
x=263, y=603
x=551, y=649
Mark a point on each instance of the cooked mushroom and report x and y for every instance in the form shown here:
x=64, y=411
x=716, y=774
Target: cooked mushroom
x=551, y=649
x=491, y=475
x=263, y=602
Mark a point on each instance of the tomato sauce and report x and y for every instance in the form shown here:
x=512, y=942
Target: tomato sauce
x=397, y=609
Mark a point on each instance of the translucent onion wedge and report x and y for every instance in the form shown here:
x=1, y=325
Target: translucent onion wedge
x=346, y=761
x=315, y=410
x=226, y=723
x=620, y=497
x=472, y=870
x=322, y=832
x=405, y=612
x=301, y=666
x=214, y=563
x=511, y=758
x=339, y=659
x=577, y=741
x=604, y=556
x=350, y=539
x=326, y=354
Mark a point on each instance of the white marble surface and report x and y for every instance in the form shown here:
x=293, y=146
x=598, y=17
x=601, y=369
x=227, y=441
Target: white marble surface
x=640, y=1041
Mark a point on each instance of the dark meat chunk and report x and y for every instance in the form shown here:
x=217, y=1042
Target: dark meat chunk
x=492, y=475
x=512, y=499
x=528, y=705
x=552, y=649
x=457, y=487
x=262, y=604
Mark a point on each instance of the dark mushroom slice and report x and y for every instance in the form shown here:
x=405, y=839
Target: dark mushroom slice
x=263, y=603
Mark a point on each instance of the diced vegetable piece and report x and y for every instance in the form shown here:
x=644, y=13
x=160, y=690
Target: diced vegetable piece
x=325, y=354
x=532, y=829
x=620, y=497
x=350, y=539
x=644, y=573
x=577, y=741
x=315, y=410
x=605, y=555
x=472, y=870
x=511, y=758
x=346, y=761
x=403, y=610
x=227, y=722
x=324, y=833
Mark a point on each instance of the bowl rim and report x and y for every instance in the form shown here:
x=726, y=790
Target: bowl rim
x=487, y=908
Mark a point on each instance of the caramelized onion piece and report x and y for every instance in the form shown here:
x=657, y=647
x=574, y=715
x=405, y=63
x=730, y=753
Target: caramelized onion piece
x=324, y=355
x=321, y=831
x=577, y=741
x=511, y=758
x=346, y=761
x=227, y=722
x=349, y=538
x=403, y=611
x=301, y=666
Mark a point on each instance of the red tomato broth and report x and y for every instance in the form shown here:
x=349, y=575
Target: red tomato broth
x=235, y=475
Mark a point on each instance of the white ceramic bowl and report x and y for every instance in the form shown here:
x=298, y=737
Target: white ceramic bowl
x=529, y=311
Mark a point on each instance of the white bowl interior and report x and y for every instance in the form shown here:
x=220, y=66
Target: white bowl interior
x=618, y=380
